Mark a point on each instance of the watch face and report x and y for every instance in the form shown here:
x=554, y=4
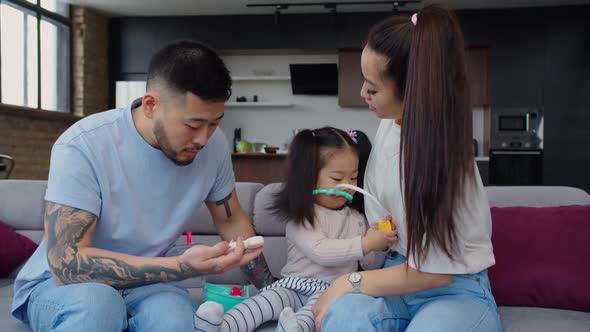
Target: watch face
x=354, y=277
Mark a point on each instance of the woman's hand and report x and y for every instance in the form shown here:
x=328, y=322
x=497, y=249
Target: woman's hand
x=339, y=287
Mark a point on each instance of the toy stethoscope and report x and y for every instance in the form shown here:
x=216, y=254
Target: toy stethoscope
x=339, y=193
x=334, y=193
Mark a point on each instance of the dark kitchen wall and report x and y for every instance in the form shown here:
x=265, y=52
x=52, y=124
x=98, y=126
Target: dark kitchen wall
x=538, y=57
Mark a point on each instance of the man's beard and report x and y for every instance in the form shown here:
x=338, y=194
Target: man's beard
x=166, y=148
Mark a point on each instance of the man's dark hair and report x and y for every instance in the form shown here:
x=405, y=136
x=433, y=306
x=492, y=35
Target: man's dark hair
x=189, y=66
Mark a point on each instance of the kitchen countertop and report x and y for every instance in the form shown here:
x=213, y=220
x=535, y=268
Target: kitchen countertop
x=283, y=155
x=259, y=155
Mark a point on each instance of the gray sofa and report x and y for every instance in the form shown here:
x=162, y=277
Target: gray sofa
x=21, y=206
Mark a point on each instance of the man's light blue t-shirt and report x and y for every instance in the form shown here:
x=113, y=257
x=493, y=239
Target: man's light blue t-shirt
x=143, y=200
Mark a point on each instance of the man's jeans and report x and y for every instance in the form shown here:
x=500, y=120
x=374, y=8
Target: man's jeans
x=465, y=305
x=90, y=307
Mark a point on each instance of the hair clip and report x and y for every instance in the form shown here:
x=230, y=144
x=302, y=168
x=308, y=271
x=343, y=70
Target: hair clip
x=352, y=135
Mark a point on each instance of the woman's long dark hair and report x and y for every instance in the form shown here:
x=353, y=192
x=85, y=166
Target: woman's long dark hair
x=427, y=65
x=295, y=200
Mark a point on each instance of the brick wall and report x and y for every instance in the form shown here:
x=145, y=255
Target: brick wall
x=29, y=137
x=90, y=61
x=29, y=142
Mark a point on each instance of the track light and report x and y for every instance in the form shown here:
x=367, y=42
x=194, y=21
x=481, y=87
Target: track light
x=330, y=5
x=278, y=9
x=332, y=8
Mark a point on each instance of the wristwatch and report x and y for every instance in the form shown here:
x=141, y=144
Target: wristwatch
x=355, y=280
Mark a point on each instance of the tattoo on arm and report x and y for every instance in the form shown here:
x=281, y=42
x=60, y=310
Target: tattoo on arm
x=225, y=203
x=66, y=227
x=258, y=272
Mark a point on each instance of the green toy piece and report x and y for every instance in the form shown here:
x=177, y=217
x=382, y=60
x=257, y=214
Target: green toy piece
x=334, y=193
x=222, y=295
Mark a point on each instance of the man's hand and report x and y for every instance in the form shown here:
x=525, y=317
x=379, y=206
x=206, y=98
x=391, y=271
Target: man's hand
x=231, y=222
x=216, y=259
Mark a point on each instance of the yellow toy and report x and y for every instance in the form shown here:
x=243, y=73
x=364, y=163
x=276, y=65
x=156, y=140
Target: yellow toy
x=384, y=225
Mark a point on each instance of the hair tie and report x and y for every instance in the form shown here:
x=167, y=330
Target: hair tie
x=352, y=135
x=415, y=19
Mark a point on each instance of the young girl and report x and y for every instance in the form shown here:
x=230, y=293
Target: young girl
x=422, y=170
x=326, y=238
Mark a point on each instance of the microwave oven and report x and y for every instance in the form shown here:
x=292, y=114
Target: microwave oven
x=517, y=128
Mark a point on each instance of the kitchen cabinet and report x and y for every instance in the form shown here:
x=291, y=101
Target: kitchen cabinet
x=516, y=167
x=483, y=168
x=478, y=77
x=262, y=168
x=350, y=78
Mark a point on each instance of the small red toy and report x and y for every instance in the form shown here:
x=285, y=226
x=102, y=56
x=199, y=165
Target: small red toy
x=235, y=291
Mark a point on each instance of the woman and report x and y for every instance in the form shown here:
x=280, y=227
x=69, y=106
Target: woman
x=422, y=169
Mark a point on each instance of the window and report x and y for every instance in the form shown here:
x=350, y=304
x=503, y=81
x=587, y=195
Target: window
x=35, y=54
x=58, y=7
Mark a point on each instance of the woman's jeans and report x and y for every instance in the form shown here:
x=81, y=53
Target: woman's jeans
x=466, y=304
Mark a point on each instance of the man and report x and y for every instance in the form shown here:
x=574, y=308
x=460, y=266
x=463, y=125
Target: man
x=123, y=185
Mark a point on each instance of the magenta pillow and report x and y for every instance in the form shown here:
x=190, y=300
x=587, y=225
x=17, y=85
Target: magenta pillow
x=542, y=257
x=14, y=249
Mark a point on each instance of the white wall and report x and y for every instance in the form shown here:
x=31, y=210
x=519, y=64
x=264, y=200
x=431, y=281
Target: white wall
x=275, y=125
x=478, y=129
x=127, y=91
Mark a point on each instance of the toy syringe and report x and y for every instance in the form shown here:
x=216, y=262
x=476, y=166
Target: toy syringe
x=382, y=224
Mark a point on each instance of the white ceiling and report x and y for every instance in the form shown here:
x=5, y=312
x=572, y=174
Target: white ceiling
x=238, y=7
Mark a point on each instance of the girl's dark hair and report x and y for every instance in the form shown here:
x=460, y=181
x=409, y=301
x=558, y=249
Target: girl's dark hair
x=426, y=62
x=295, y=201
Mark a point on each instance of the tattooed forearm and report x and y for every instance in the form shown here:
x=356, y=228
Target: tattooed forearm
x=258, y=272
x=117, y=273
x=69, y=229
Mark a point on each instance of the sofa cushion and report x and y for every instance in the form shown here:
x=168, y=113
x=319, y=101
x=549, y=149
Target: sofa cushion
x=537, y=196
x=34, y=235
x=7, y=322
x=266, y=221
x=526, y=319
x=541, y=257
x=22, y=205
x=14, y=249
